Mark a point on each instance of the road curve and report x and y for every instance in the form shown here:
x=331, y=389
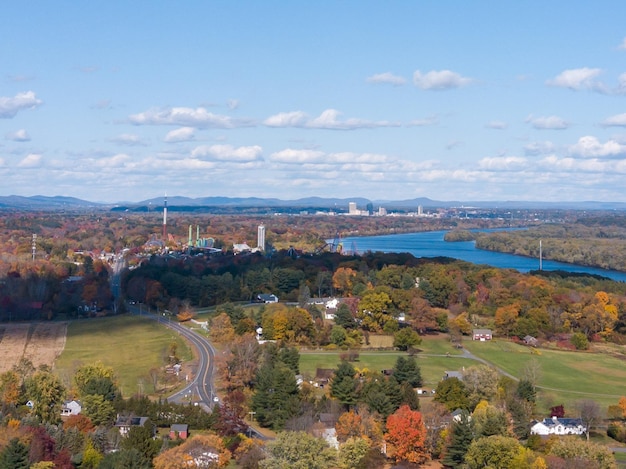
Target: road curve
x=200, y=388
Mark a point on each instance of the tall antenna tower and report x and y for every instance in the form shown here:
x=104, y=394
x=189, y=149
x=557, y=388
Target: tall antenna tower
x=165, y=219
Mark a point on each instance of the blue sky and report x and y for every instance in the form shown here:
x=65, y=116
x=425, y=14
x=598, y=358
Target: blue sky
x=452, y=100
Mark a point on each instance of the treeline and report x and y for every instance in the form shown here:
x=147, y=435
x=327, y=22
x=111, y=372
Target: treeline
x=379, y=289
x=586, y=242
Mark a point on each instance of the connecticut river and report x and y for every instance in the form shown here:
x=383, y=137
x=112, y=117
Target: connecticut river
x=431, y=244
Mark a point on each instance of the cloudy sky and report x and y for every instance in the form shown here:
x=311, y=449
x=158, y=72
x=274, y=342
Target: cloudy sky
x=389, y=100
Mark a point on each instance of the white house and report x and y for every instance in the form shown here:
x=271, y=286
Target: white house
x=558, y=426
x=71, y=408
x=332, y=304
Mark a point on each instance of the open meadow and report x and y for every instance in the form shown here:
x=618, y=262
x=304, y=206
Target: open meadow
x=564, y=376
x=130, y=344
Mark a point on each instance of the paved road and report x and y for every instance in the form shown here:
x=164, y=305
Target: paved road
x=200, y=388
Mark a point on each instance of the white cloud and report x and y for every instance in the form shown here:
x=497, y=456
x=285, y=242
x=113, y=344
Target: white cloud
x=590, y=147
x=387, y=78
x=184, y=134
x=291, y=156
x=128, y=139
x=18, y=136
x=116, y=161
x=299, y=157
x=548, y=123
x=539, y=148
x=577, y=79
x=498, y=125
x=30, y=161
x=500, y=163
x=228, y=153
x=329, y=120
x=9, y=107
x=433, y=120
x=287, y=119
x=618, y=120
x=187, y=117
x=439, y=80
x=622, y=46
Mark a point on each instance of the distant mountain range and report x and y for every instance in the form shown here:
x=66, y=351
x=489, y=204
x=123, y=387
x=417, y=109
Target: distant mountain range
x=177, y=203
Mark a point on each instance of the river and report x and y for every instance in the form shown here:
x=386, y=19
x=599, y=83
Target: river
x=432, y=244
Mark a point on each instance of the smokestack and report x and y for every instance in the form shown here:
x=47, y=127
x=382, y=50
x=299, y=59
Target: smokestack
x=165, y=220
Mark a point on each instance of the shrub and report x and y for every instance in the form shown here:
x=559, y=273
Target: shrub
x=580, y=341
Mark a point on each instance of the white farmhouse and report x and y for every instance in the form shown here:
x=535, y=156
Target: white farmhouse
x=558, y=426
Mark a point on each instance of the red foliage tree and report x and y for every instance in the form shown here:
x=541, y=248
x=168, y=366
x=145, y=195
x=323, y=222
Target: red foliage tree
x=407, y=433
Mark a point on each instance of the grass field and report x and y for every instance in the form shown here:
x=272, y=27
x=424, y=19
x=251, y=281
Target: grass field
x=129, y=344
x=436, y=356
x=564, y=376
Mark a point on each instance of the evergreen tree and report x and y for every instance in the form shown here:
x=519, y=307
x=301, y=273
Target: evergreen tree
x=344, y=318
x=14, y=455
x=276, y=396
x=343, y=386
x=407, y=370
x=462, y=435
x=409, y=396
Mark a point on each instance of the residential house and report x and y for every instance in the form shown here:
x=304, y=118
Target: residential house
x=558, y=426
x=323, y=376
x=125, y=423
x=482, y=334
x=179, y=430
x=71, y=408
x=267, y=298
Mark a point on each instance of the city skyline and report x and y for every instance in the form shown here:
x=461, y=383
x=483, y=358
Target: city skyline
x=388, y=101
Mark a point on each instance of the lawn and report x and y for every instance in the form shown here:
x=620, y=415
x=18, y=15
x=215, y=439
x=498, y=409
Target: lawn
x=564, y=376
x=432, y=367
x=130, y=344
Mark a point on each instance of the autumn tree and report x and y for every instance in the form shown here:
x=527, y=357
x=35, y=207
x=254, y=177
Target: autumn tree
x=593, y=454
x=197, y=451
x=298, y=450
x=374, y=310
x=47, y=393
x=406, y=338
x=590, y=414
x=407, y=433
x=497, y=452
x=221, y=330
x=481, y=383
x=343, y=280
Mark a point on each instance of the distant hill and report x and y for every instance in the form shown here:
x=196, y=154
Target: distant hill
x=256, y=204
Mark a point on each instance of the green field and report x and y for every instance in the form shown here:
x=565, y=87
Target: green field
x=565, y=377
x=130, y=344
x=432, y=367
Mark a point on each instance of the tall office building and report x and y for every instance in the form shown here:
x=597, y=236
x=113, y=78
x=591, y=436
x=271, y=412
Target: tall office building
x=352, y=208
x=260, y=237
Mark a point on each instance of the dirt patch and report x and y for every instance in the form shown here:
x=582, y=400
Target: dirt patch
x=41, y=343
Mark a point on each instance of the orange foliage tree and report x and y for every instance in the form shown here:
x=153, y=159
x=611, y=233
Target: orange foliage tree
x=407, y=433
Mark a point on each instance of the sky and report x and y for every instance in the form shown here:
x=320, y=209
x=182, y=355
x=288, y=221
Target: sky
x=388, y=100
